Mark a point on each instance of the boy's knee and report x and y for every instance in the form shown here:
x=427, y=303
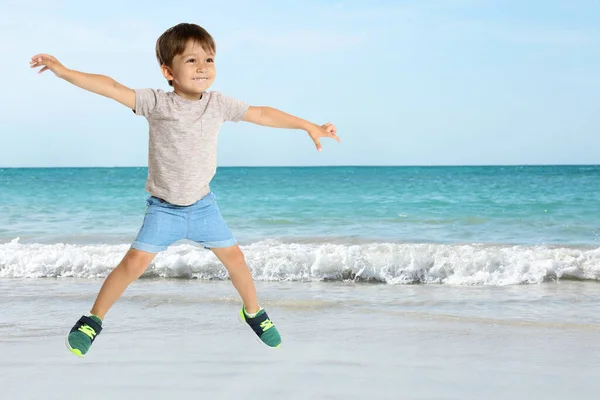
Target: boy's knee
x=230, y=255
x=237, y=257
x=136, y=262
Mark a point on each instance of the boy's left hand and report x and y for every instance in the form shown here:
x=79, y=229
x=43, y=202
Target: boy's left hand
x=327, y=130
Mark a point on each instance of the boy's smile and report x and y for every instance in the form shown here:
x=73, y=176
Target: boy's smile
x=192, y=72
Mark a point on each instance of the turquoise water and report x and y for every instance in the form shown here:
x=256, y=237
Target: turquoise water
x=511, y=205
x=394, y=224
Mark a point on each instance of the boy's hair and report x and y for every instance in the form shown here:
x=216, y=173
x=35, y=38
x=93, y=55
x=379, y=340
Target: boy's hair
x=172, y=42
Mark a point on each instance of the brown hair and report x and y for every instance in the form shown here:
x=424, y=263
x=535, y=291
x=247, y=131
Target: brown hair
x=173, y=41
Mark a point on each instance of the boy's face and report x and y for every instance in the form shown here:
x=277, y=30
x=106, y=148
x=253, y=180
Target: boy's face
x=192, y=72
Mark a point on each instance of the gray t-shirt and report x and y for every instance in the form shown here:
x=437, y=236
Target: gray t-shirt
x=182, y=152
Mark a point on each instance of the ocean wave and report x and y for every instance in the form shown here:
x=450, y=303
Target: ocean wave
x=391, y=263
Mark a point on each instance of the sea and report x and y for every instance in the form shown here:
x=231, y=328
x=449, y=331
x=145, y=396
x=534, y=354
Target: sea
x=488, y=225
x=432, y=282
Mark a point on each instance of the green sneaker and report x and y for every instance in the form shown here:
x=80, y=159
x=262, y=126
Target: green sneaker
x=263, y=327
x=83, y=334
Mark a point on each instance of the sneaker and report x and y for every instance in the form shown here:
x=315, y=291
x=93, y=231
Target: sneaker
x=83, y=334
x=262, y=326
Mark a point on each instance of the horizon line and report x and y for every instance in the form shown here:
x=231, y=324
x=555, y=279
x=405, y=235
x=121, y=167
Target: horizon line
x=326, y=166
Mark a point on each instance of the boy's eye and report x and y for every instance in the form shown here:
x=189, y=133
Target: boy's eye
x=210, y=60
x=191, y=60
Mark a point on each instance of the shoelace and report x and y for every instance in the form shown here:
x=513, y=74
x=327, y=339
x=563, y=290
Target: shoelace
x=266, y=324
x=87, y=330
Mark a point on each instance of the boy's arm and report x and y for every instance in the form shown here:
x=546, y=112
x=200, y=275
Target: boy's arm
x=99, y=84
x=269, y=116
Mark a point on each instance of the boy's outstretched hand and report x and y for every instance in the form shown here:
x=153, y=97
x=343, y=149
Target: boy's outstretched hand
x=327, y=130
x=49, y=63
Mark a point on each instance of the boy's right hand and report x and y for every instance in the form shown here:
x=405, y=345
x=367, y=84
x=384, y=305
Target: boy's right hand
x=49, y=63
x=99, y=84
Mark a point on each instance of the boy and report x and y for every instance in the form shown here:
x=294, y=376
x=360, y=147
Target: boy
x=183, y=128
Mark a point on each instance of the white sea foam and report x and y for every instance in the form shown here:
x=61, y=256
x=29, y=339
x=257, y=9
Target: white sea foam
x=393, y=263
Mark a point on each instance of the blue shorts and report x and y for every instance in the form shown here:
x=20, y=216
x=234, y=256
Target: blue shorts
x=165, y=224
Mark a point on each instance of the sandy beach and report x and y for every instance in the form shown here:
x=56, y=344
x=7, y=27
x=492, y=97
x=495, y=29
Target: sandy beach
x=181, y=340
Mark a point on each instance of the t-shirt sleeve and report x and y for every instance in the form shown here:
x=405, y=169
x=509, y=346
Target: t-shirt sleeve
x=233, y=109
x=145, y=101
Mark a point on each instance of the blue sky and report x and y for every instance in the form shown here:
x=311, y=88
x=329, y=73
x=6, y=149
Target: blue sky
x=406, y=82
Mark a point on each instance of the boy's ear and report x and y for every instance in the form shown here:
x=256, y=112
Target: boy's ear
x=166, y=71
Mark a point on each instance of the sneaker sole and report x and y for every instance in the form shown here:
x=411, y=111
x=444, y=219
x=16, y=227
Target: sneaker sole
x=77, y=352
x=245, y=324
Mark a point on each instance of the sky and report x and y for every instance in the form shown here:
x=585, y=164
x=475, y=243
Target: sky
x=456, y=82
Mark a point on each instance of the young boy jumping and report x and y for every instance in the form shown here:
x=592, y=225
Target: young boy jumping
x=183, y=129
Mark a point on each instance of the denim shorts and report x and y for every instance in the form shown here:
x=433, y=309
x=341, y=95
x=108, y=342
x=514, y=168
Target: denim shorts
x=165, y=224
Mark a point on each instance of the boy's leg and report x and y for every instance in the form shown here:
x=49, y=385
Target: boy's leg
x=207, y=227
x=234, y=261
x=163, y=225
x=131, y=267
